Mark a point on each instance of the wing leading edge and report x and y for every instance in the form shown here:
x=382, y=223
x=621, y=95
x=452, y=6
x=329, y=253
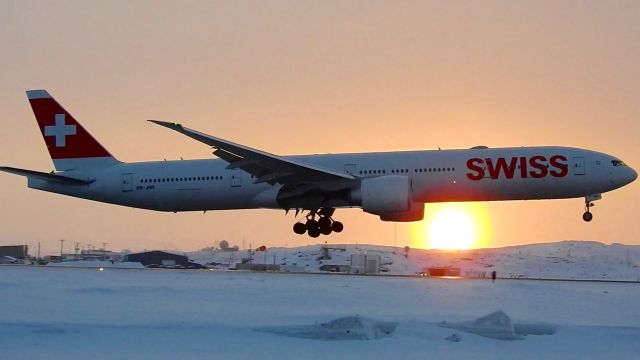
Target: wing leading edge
x=265, y=167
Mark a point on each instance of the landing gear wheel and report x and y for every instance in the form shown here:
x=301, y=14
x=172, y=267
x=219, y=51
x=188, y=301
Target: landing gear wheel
x=337, y=226
x=314, y=233
x=324, y=222
x=299, y=228
x=325, y=225
x=587, y=216
x=311, y=225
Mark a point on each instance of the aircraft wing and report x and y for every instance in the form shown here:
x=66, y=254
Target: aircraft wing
x=61, y=179
x=265, y=167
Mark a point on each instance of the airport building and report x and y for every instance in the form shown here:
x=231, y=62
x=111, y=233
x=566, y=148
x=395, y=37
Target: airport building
x=159, y=259
x=16, y=251
x=365, y=264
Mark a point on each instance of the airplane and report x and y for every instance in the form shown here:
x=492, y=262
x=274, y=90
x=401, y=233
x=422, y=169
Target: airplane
x=392, y=185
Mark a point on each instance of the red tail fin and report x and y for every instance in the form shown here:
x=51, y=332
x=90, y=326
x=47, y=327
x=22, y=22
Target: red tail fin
x=69, y=144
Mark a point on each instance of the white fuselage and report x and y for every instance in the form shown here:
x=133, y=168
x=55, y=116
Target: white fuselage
x=436, y=176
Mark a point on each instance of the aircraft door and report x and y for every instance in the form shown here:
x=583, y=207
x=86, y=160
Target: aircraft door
x=235, y=178
x=351, y=169
x=127, y=182
x=578, y=166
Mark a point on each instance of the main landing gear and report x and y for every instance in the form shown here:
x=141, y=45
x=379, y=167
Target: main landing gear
x=325, y=225
x=588, y=203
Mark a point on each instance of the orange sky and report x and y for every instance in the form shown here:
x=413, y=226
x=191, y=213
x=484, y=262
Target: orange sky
x=294, y=77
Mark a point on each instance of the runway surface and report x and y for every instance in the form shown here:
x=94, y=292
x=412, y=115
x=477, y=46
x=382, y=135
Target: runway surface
x=69, y=313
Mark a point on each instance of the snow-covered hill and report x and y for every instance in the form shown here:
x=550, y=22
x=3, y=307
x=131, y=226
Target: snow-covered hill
x=587, y=260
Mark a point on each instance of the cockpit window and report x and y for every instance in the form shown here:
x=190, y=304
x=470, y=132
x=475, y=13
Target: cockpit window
x=618, y=163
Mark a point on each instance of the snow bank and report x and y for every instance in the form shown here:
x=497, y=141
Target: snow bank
x=498, y=325
x=343, y=328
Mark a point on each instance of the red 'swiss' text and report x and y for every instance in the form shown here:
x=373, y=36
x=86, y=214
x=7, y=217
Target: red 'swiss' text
x=522, y=167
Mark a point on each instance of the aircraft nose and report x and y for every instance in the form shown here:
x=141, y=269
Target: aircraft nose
x=633, y=175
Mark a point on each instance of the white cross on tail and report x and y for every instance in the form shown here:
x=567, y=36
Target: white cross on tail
x=60, y=130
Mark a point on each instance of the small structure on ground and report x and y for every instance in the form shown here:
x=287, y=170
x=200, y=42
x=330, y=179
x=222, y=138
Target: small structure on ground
x=159, y=259
x=336, y=267
x=257, y=267
x=15, y=251
x=365, y=264
x=224, y=246
x=443, y=271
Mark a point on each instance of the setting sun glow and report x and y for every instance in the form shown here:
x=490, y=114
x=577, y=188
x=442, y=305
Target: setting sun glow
x=453, y=227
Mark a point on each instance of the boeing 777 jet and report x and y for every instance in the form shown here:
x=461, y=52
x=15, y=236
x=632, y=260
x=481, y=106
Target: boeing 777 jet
x=392, y=185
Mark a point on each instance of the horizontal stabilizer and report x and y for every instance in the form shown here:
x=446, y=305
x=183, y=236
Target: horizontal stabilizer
x=46, y=176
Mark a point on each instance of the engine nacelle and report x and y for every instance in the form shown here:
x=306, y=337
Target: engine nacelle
x=388, y=197
x=415, y=214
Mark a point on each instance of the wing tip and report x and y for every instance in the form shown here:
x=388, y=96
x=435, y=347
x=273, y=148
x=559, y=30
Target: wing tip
x=166, y=123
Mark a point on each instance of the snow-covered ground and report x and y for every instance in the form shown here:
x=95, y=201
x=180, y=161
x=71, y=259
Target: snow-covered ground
x=586, y=260
x=98, y=264
x=71, y=313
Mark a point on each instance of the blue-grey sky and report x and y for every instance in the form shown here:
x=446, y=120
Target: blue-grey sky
x=294, y=77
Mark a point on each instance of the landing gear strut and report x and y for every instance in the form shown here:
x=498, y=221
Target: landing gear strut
x=588, y=203
x=587, y=216
x=325, y=224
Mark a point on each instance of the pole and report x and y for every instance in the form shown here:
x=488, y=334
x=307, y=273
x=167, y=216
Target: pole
x=104, y=252
x=61, y=248
x=38, y=256
x=395, y=236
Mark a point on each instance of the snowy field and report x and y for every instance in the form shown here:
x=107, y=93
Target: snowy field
x=67, y=313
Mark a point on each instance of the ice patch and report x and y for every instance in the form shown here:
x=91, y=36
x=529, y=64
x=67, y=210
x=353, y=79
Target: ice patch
x=534, y=329
x=454, y=338
x=344, y=328
x=498, y=325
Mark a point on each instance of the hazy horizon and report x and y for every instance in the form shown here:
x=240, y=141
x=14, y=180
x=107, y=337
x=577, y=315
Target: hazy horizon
x=298, y=77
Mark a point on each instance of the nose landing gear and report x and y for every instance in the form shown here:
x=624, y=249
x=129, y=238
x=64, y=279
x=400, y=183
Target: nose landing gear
x=325, y=224
x=588, y=203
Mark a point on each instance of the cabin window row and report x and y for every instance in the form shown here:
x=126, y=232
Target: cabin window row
x=394, y=171
x=365, y=172
x=435, y=169
x=404, y=171
x=193, y=178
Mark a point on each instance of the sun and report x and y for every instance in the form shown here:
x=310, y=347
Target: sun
x=453, y=227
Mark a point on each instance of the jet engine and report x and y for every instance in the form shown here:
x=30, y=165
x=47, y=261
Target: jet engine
x=388, y=197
